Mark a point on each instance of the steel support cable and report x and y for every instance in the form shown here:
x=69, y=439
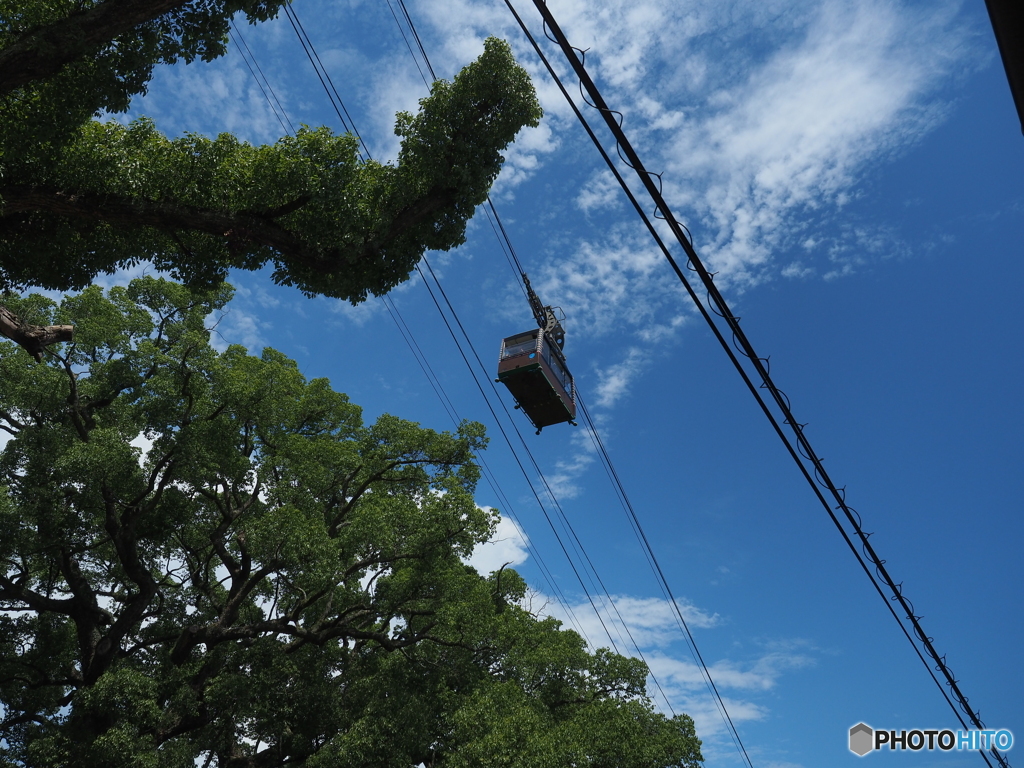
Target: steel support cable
x=572, y=564
x=428, y=371
x=506, y=243
x=416, y=36
x=323, y=76
x=508, y=257
x=522, y=468
x=574, y=540
x=623, y=498
x=718, y=304
x=563, y=518
x=408, y=45
x=506, y=246
x=580, y=553
x=492, y=481
x=511, y=250
x=503, y=239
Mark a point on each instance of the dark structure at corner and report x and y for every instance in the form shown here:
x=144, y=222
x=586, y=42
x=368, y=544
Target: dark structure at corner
x=1008, y=23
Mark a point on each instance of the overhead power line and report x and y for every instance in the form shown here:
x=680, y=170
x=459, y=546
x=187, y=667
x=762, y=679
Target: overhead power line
x=325, y=79
x=588, y=568
x=814, y=472
x=509, y=250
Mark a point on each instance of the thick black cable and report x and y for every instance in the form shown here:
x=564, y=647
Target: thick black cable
x=745, y=348
x=642, y=213
x=739, y=336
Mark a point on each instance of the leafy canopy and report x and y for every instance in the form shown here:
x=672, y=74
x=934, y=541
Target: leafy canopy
x=80, y=197
x=271, y=581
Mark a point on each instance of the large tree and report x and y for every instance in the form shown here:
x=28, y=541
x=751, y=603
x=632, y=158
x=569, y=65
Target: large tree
x=204, y=556
x=79, y=197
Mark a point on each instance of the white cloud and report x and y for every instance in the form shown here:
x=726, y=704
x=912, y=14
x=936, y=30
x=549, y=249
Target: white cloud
x=221, y=96
x=600, y=192
x=122, y=277
x=614, y=381
x=508, y=546
x=651, y=621
x=797, y=132
x=603, y=286
x=653, y=627
x=235, y=324
x=144, y=444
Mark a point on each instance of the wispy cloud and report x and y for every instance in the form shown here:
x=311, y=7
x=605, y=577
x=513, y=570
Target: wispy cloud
x=650, y=624
x=238, y=324
x=756, y=110
x=214, y=97
x=614, y=381
x=856, y=84
x=508, y=546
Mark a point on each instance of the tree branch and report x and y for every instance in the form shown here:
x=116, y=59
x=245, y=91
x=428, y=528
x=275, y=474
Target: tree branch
x=165, y=215
x=238, y=229
x=44, y=51
x=32, y=338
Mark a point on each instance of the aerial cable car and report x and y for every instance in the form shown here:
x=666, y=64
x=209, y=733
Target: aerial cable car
x=532, y=366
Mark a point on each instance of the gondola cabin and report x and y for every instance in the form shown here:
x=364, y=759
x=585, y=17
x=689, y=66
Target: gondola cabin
x=535, y=373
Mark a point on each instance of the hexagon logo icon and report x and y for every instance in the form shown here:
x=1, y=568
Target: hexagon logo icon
x=861, y=739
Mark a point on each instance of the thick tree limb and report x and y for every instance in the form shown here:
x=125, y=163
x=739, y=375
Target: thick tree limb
x=43, y=52
x=124, y=211
x=239, y=228
x=32, y=338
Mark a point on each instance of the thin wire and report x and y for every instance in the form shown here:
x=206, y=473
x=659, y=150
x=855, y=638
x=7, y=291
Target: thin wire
x=522, y=468
x=408, y=45
x=561, y=513
x=509, y=249
x=415, y=34
x=288, y=129
x=760, y=365
x=325, y=79
x=424, y=363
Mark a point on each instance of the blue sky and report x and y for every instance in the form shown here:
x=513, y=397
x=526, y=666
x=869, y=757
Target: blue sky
x=853, y=172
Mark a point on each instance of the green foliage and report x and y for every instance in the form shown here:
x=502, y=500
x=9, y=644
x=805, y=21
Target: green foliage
x=80, y=197
x=273, y=582
x=44, y=113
